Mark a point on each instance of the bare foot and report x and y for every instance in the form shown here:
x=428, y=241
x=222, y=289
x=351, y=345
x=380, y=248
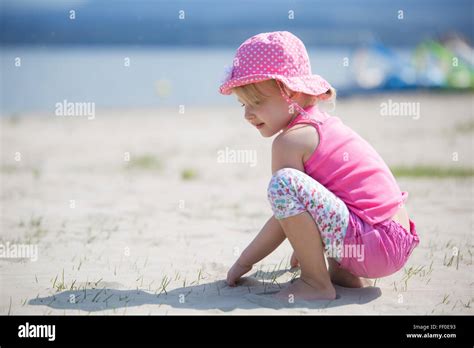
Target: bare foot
x=306, y=290
x=346, y=279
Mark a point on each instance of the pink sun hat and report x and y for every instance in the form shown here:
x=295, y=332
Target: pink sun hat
x=278, y=55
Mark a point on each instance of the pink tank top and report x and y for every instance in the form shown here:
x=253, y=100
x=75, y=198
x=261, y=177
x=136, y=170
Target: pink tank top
x=349, y=167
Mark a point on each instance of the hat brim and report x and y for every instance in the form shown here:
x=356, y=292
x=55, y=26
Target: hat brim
x=309, y=84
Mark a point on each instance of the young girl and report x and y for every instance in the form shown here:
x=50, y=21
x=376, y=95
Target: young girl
x=330, y=192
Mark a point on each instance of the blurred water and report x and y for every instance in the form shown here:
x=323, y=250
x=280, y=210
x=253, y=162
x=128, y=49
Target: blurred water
x=88, y=74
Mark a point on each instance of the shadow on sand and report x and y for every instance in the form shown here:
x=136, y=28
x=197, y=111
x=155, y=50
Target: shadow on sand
x=251, y=293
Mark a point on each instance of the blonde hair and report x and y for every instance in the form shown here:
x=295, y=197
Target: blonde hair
x=252, y=95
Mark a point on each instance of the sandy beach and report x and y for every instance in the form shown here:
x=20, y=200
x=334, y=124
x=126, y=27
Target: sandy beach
x=143, y=211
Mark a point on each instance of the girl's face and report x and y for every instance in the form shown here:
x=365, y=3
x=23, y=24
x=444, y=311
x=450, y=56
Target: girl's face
x=271, y=115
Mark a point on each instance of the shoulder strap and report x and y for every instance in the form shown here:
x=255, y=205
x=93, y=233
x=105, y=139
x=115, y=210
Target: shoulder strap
x=312, y=116
x=311, y=113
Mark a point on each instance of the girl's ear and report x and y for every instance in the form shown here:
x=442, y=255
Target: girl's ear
x=325, y=96
x=289, y=92
x=292, y=94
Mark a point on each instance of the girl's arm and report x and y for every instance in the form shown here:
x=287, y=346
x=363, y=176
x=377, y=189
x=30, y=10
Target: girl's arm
x=268, y=239
x=288, y=149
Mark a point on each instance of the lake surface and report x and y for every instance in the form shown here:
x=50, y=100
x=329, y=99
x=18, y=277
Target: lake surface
x=154, y=77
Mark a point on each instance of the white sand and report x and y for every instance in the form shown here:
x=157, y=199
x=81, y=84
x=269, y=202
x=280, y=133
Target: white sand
x=133, y=232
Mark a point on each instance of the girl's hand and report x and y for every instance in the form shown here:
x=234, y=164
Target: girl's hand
x=235, y=272
x=294, y=261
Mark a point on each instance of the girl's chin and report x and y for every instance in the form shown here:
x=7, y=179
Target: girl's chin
x=266, y=133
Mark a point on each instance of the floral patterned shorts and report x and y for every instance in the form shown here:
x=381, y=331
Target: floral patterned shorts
x=292, y=192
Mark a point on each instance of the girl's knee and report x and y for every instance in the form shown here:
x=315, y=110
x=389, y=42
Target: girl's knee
x=281, y=179
x=289, y=191
x=284, y=177
x=281, y=186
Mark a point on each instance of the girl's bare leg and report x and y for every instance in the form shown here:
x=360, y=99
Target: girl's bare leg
x=315, y=282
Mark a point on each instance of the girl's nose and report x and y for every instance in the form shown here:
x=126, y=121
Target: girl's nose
x=248, y=116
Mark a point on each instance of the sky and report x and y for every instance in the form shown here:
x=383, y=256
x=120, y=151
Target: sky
x=225, y=23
